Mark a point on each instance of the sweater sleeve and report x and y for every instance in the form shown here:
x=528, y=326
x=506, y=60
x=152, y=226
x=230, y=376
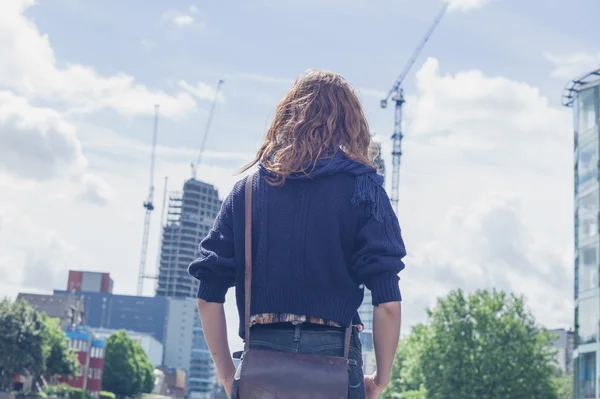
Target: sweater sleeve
x=215, y=268
x=379, y=253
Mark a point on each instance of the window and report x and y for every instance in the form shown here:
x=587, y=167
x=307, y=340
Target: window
x=587, y=111
x=587, y=321
x=588, y=267
x=587, y=164
x=586, y=375
x=588, y=215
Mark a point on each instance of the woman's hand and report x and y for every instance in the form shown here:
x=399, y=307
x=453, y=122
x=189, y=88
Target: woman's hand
x=372, y=388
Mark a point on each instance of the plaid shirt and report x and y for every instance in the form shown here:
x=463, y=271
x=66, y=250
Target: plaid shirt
x=271, y=318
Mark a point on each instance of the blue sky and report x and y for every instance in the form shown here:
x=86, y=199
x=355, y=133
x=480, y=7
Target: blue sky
x=486, y=181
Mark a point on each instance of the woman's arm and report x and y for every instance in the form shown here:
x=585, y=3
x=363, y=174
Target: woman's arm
x=377, y=262
x=212, y=316
x=386, y=332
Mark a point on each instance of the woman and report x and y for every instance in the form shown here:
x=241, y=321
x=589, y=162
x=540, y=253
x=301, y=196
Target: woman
x=323, y=229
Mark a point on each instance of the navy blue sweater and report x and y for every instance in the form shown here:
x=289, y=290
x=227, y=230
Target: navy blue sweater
x=313, y=249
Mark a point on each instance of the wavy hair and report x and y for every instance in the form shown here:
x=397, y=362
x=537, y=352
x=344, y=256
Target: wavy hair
x=319, y=115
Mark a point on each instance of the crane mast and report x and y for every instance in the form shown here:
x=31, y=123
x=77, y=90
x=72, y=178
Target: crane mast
x=149, y=206
x=206, y=129
x=396, y=94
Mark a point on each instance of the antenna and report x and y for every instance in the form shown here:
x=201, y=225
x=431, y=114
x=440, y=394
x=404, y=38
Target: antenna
x=149, y=206
x=195, y=165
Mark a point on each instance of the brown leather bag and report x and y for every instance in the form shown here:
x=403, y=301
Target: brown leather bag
x=278, y=375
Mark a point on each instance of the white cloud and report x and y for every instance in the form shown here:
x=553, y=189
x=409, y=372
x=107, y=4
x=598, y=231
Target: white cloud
x=32, y=257
x=183, y=20
x=573, y=65
x=96, y=191
x=486, y=192
x=466, y=5
x=485, y=244
x=30, y=69
x=37, y=144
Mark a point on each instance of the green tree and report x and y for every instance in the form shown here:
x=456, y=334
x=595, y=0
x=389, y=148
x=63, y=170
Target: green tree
x=22, y=341
x=127, y=368
x=145, y=369
x=61, y=360
x=563, y=385
x=484, y=345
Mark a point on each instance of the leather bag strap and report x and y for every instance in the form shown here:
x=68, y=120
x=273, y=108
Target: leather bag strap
x=248, y=269
x=248, y=258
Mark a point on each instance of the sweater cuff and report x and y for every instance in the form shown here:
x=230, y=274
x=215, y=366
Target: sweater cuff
x=385, y=288
x=213, y=290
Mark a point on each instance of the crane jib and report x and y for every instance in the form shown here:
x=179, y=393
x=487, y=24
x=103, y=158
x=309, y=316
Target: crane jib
x=398, y=96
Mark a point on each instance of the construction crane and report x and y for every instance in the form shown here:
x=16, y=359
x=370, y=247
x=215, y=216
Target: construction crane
x=149, y=206
x=396, y=93
x=195, y=164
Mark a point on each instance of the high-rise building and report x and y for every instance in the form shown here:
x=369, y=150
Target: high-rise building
x=89, y=281
x=583, y=94
x=186, y=348
x=190, y=217
x=376, y=153
x=365, y=311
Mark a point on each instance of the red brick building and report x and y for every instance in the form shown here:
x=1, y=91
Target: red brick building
x=90, y=353
x=89, y=282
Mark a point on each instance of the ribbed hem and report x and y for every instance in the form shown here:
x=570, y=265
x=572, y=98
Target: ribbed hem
x=213, y=290
x=385, y=288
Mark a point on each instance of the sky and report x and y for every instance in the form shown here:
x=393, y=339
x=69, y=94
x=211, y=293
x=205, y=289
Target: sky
x=486, y=190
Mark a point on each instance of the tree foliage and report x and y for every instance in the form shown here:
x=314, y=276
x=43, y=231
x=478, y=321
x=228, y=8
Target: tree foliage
x=564, y=385
x=484, y=345
x=32, y=343
x=22, y=341
x=127, y=369
x=61, y=360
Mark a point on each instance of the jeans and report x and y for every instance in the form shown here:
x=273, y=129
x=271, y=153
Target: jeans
x=311, y=339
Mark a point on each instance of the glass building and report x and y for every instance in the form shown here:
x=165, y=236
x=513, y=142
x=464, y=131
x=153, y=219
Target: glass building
x=583, y=95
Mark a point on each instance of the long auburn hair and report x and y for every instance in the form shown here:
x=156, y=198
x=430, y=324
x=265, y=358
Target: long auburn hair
x=319, y=115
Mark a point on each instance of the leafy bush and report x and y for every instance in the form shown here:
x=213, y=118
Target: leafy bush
x=107, y=395
x=31, y=394
x=58, y=391
x=77, y=393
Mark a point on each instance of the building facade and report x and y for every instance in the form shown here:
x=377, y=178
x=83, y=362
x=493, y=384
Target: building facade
x=583, y=95
x=68, y=307
x=564, y=344
x=89, y=281
x=365, y=310
x=191, y=215
x=151, y=346
x=186, y=348
x=132, y=313
x=90, y=353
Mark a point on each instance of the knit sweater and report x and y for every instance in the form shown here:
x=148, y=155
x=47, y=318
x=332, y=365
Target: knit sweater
x=315, y=243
